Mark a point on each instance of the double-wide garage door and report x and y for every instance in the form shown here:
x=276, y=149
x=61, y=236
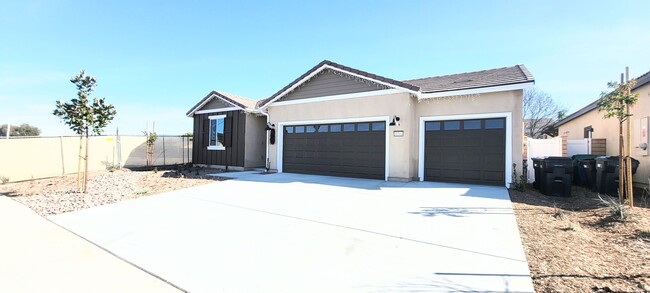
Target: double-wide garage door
x=341, y=149
x=465, y=151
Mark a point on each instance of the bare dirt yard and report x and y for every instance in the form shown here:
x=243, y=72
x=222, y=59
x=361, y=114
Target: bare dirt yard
x=578, y=244
x=59, y=194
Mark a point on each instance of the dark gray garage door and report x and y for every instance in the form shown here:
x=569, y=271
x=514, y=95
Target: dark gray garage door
x=344, y=149
x=465, y=151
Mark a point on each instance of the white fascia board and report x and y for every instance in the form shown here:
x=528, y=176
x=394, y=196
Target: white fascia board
x=208, y=100
x=483, y=90
x=509, y=130
x=338, y=97
x=217, y=110
x=216, y=117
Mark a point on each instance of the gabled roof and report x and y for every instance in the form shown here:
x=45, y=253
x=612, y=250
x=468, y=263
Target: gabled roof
x=235, y=100
x=329, y=64
x=471, y=80
x=640, y=81
x=517, y=74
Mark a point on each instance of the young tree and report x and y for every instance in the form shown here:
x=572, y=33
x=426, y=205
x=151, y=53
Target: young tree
x=83, y=116
x=617, y=104
x=540, y=112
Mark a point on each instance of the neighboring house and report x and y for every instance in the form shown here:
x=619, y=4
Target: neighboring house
x=226, y=133
x=589, y=121
x=340, y=121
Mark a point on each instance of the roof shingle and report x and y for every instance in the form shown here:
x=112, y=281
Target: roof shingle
x=477, y=79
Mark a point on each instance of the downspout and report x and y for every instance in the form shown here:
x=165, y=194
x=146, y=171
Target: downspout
x=268, y=120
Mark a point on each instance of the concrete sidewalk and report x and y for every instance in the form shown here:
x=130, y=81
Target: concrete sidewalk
x=39, y=256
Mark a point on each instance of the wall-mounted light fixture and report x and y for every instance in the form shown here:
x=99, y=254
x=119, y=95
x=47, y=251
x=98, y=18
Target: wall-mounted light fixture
x=395, y=121
x=269, y=127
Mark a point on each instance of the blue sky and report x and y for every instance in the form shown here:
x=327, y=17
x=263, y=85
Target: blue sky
x=154, y=60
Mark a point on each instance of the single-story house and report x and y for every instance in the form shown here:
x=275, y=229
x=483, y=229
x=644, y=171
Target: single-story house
x=588, y=122
x=340, y=121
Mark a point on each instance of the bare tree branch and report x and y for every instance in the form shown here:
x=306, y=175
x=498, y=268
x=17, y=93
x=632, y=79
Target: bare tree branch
x=540, y=112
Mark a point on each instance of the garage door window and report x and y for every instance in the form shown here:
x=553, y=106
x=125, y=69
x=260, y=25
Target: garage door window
x=452, y=125
x=289, y=129
x=432, y=126
x=300, y=129
x=322, y=128
x=378, y=126
x=472, y=124
x=494, y=123
x=311, y=129
x=348, y=127
x=363, y=127
x=335, y=128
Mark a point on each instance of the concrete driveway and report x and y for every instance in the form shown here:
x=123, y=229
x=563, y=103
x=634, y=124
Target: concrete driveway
x=302, y=233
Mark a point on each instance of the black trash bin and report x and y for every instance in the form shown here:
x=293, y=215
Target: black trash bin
x=607, y=171
x=557, y=179
x=588, y=166
x=554, y=175
x=579, y=173
x=537, y=168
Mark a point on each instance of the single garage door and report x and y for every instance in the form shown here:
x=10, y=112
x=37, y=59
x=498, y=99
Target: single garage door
x=465, y=151
x=343, y=149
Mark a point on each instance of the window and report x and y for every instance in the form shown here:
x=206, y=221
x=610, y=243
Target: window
x=431, y=126
x=300, y=129
x=472, y=124
x=311, y=129
x=588, y=131
x=452, y=125
x=348, y=127
x=494, y=123
x=322, y=128
x=217, y=136
x=363, y=127
x=289, y=129
x=379, y=126
x=335, y=128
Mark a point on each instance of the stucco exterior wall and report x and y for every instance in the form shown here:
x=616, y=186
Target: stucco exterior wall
x=255, y=138
x=499, y=102
x=608, y=129
x=603, y=128
x=640, y=110
x=400, y=160
x=404, y=151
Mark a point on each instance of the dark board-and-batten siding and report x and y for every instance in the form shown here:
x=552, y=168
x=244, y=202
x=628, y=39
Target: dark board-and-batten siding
x=233, y=155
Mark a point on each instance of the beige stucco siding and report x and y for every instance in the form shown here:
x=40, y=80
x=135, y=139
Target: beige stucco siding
x=255, y=138
x=640, y=110
x=603, y=128
x=384, y=105
x=499, y=102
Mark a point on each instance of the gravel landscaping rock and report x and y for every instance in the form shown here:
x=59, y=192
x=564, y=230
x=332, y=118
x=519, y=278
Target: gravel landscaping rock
x=59, y=195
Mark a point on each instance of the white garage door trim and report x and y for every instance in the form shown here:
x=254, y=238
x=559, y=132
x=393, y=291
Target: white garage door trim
x=507, y=115
x=281, y=125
